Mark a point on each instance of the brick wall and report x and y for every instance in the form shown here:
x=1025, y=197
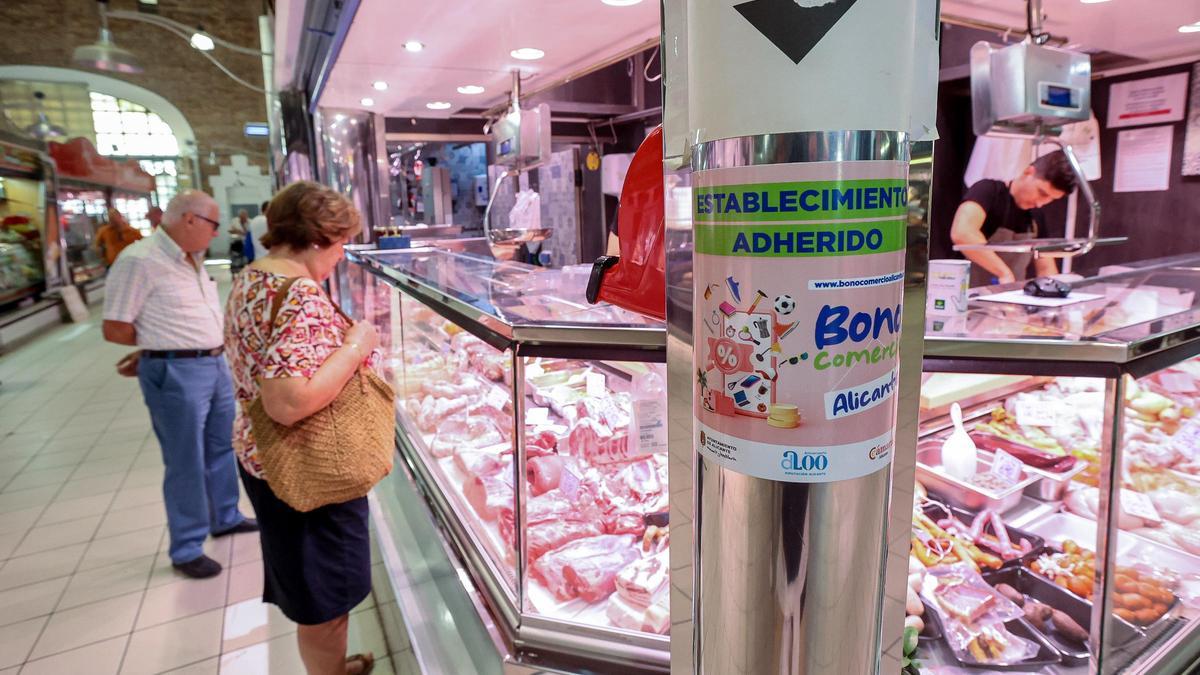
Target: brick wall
x=45, y=32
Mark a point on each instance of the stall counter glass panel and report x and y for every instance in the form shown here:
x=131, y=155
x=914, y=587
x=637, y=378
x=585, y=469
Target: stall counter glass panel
x=1066, y=542
x=517, y=407
x=596, y=517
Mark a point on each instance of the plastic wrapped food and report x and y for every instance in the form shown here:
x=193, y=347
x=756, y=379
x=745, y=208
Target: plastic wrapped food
x=960, y=594
x=991, y=645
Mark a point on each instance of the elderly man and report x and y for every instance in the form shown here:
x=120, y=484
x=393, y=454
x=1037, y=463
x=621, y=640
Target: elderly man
x=160, y=298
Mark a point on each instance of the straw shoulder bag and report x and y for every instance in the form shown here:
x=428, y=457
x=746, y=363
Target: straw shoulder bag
x=336, y=454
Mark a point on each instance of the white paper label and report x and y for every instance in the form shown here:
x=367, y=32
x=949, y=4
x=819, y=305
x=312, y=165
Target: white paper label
x=533, y=369
x=1139, y=505
x=1178, y=383
x=537, y=416
x=595, y=385
x=1007, y=468
x=650, y=420
x=569, y=483
x=1034, y=413
x=1187, y=441
x=496, y=398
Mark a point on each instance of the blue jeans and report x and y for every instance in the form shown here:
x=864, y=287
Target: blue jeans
x=192, y=408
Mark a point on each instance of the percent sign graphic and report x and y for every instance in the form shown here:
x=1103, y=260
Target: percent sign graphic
x=727, y=358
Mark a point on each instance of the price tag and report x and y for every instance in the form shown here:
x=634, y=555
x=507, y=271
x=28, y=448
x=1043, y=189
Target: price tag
x=650, y=420
x=569, y=484
x=1032, y=412
x=536, y=417
x=1139, y=505
x=533, y=369
x=1187, y=441
x=595, y=385
x=1007, y=468
x=496, y=398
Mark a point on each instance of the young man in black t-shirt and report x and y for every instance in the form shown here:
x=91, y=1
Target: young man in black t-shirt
x=993, y=212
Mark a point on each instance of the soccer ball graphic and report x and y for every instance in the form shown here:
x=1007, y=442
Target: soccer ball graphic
x=784, y=304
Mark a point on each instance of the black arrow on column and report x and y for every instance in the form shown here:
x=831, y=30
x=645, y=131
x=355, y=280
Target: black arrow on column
x=795, y=30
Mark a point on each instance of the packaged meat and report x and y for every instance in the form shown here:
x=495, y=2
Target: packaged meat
x=544, y=473
x=654, y=618
x=597, y=443
x=644, y=580
x=478, y=463
x=551, y=534
x=462, y=433
x=585, y=568
x=489, y=496
x=960, y=594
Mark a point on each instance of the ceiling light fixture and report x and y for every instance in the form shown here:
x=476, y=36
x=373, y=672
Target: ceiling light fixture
x=470, y=89
x=1092, y=2
x=367, y=101
x=413, y=46
x=104, y=54
x=627, y=3
x=379, y=85
x=202, y=41
x=1190, y=28
x=527, y=53
x=438, y=105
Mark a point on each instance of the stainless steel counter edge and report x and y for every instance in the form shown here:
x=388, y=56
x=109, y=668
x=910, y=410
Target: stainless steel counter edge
x=496, y=331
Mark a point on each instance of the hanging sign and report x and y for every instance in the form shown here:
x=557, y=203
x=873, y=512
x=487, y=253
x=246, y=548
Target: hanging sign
x=799, y=272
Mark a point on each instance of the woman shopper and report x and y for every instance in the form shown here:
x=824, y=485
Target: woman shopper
x=316, y=564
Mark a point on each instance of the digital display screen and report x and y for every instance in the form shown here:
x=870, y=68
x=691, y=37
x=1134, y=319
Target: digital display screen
x=1058, y=96
x=506, y=147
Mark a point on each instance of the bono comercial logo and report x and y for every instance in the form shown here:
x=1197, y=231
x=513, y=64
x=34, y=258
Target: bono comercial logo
x=836, y=326
x=809, y=462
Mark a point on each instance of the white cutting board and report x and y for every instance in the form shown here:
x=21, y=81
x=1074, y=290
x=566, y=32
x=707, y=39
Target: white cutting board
x=1020, y=298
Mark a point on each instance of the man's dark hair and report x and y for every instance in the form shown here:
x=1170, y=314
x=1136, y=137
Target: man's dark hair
x=263, y=209
x=1055, y=169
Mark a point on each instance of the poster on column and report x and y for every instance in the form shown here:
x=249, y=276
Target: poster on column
x=799, y=273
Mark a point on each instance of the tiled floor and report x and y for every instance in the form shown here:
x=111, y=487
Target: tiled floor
x=85, y=582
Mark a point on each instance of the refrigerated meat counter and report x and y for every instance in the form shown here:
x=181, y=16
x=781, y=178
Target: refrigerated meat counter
x=1062, y=538
x=534, y=426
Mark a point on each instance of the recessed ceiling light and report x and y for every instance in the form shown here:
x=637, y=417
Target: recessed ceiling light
x=379, y=85
x=413, y=46
x=1092, y=2
x=1190, y=28
x=437, y=105
x=626, y=3
x=202, y=41
x=470, y=89
x=367, y=101
x=527, y=54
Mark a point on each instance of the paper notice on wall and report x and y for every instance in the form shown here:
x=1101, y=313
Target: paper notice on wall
x=1191, y=140
x=1144, y=160
x=1152, y=100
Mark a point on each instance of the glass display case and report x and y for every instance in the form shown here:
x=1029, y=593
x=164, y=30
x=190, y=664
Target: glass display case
x=1062, y=537
x=83, y=211
x=535, y=424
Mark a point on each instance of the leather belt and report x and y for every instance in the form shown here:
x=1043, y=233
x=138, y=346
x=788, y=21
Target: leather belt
x=181, y=353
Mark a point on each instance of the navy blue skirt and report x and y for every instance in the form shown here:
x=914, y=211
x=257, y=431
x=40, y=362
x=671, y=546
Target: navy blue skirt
x=316, y=565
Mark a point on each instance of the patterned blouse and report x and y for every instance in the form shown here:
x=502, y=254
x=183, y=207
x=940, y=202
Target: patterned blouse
x=308, y=330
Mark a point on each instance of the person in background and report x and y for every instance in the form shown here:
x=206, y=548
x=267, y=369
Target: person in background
x=994, y=212
x=154, y=215
x=317, y=564
x=115, y=236
x=160, y=298
x=237, y=233
x=257, y=230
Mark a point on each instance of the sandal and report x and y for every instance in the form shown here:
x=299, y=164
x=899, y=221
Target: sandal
x=367, y=660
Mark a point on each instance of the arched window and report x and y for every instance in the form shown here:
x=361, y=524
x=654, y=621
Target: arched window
x=128, y=130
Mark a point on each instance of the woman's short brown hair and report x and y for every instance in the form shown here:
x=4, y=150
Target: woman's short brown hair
x=306, y=214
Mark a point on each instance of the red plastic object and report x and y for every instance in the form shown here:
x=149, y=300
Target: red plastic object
x=636, y=279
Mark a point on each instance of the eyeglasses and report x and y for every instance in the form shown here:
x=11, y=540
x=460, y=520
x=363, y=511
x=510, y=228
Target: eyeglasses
x=216, y=225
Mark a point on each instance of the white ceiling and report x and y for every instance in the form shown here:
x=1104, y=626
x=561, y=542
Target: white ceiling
x=1146, y=29
x=468, y=42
